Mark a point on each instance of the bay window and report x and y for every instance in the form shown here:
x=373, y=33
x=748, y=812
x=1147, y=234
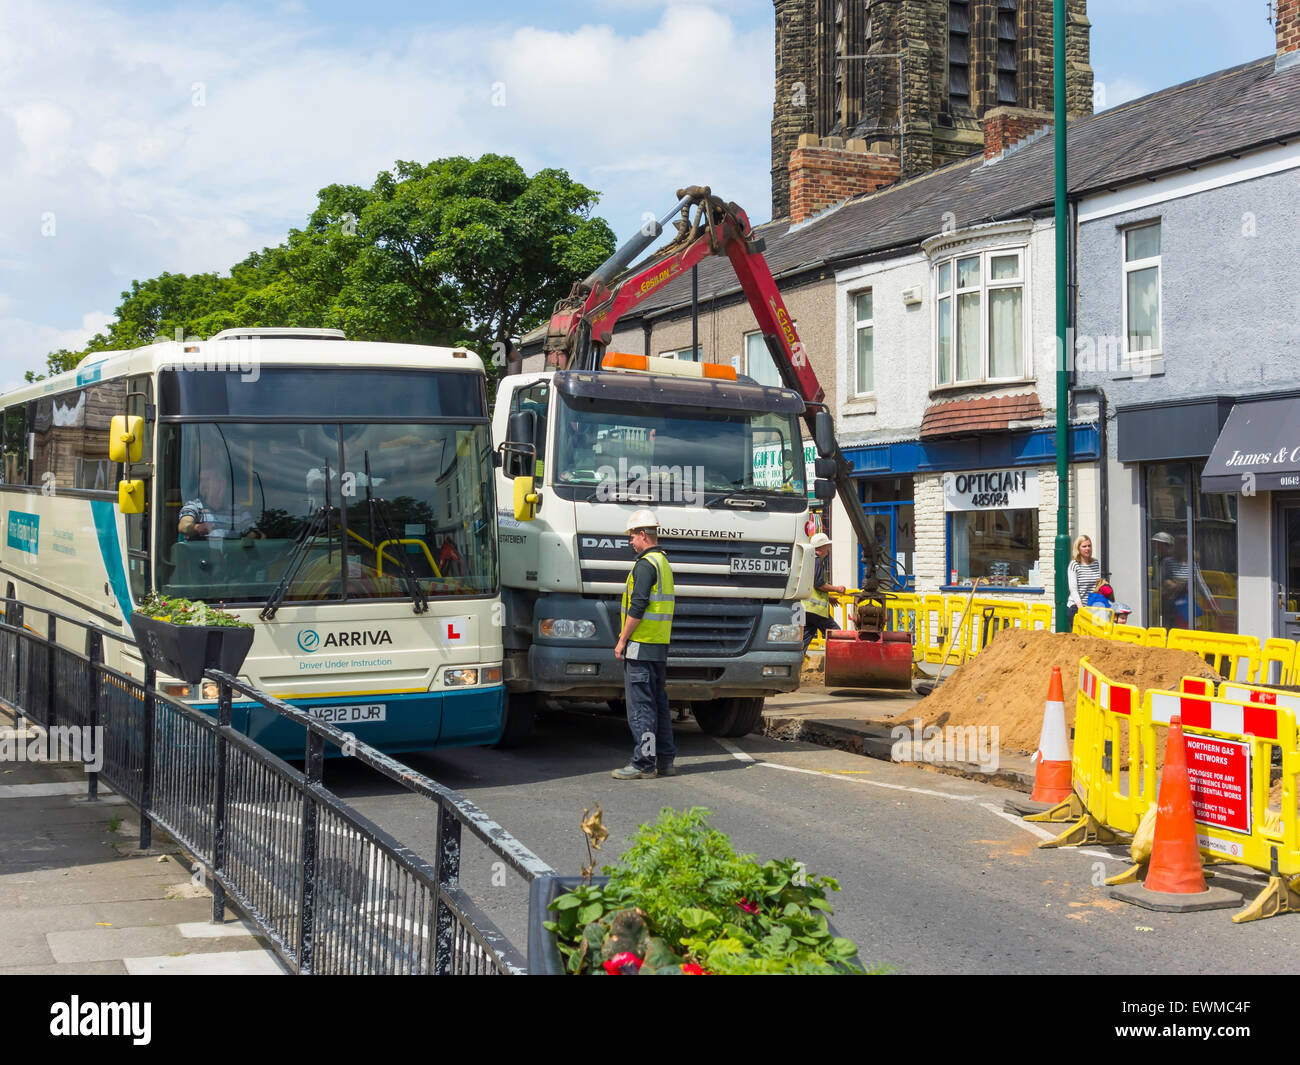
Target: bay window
x=980, y=318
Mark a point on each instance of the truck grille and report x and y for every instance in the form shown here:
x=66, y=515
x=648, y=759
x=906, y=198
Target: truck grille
x=709, y=629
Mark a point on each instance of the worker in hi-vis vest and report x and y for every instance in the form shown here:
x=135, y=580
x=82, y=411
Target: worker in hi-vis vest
x=817, y=607
x=647, y=626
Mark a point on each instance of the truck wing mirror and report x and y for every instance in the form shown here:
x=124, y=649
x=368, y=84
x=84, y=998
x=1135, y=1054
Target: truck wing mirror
x=824, y=433
x=824, y=489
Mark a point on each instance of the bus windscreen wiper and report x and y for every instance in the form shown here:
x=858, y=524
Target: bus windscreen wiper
x=321, y=520
x=378, y=513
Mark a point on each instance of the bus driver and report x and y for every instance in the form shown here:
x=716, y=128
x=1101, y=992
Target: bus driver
x=209, y=516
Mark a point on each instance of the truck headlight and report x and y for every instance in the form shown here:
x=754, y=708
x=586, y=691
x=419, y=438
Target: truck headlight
x=567, y=628
x=785, y=634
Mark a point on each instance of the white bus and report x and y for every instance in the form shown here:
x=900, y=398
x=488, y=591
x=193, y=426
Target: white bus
x=336, y=494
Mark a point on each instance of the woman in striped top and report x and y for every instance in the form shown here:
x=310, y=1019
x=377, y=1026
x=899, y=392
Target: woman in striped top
x=1084, y=575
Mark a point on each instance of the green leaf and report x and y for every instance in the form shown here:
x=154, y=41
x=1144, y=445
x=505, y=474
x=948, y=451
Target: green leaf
x=566, y=902
x=591, y=912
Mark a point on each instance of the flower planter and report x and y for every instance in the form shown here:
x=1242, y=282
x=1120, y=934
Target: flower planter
x=185, y=651
x=544, y=957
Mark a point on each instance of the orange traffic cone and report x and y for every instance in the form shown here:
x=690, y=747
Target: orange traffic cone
x=1175, y=880
x=1175, y=858
x=1052, y=774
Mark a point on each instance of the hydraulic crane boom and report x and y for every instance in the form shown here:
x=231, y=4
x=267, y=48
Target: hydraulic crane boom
x=583, y=324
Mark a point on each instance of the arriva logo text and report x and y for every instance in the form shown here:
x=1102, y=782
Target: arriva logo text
x=309, y=639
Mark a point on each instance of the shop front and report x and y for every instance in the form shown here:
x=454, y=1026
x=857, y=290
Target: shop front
x=1256, y=460
x=979, y=508
x=1186, y=524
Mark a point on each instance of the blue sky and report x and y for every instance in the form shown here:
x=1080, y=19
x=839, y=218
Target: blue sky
x=138, y=138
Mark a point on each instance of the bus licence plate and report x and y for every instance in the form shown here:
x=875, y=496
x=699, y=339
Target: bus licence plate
x=760, y=565
x=349, y=715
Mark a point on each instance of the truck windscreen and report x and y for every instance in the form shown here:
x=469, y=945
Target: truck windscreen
x=627, y=450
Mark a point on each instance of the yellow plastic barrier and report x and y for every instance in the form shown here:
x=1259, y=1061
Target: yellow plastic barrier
x=1113, y=796
x=1039, y=616
x=1281, y=653
x=1092, y=622
x=1156, y=636
x=1129, y=634
x=1241, y=730
x=1234, y=657
x=934, y=610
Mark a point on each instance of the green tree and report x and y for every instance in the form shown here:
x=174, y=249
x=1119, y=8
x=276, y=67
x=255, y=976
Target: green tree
x=454, y=251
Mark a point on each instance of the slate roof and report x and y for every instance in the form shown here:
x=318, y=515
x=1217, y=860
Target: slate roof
x=1227, y=113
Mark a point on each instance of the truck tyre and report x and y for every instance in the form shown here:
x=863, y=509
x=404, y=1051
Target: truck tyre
x=521, y=707
x=729, y=718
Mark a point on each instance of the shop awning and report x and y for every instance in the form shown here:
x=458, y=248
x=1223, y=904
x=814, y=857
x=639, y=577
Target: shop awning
x=1259, y=449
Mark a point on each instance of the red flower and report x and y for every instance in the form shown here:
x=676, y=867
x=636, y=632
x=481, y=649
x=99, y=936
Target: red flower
x=625, y=964
x=747, y=906
x=691, y=969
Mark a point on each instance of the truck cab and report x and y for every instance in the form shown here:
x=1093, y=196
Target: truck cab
x=720, y=461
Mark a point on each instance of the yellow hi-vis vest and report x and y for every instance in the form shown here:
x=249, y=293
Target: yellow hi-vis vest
x=818, y=602
x=656, y=626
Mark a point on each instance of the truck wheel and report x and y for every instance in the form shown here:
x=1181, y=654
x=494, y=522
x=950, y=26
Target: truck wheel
x=521, y=707
x=728, y=717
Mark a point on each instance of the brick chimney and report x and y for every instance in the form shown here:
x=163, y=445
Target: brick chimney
x=1005, y=127
x=1286, y=21
x=826, y=171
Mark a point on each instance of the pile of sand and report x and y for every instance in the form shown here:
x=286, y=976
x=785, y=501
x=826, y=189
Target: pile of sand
x=1006, y=683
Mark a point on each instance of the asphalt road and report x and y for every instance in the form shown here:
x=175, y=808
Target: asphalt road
x=933, y=878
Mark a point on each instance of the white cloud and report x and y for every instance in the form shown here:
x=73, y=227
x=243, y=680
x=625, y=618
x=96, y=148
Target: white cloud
x=108, y=146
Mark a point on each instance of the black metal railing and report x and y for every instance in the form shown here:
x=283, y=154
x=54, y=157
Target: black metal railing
x=329, y=889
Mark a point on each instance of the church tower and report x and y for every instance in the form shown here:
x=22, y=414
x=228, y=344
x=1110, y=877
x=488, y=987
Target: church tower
x=841, y=65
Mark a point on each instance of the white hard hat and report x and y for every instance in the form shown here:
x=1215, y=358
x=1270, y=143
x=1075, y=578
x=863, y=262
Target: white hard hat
x=819, y=540
x=1163, y=538
x=642, y=519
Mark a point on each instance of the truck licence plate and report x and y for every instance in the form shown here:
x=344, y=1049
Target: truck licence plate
x=349, y=715
x=760, y=565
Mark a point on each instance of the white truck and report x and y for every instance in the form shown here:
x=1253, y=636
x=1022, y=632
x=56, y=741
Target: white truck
x=714, y=457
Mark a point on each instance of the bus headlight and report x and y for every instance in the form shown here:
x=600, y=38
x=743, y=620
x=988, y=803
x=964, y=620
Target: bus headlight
x=455, y=678
x=567, y=628
x=785, y=634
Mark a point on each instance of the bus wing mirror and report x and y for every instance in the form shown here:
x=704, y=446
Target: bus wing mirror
x=526, y=500
x=130, y=497
x=126, y=439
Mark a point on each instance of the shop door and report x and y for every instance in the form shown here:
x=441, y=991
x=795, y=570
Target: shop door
x=1287, y=567
x=892, y=524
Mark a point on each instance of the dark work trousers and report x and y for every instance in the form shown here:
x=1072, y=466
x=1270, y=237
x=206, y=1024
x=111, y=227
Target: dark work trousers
x=814, y=624
x=646, y=686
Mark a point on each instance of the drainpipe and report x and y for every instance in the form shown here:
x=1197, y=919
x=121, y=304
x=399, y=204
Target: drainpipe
x=1103, y=540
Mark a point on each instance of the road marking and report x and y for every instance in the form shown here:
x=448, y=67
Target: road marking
x=228, y=963
x=1043, y=833
x=737, y=753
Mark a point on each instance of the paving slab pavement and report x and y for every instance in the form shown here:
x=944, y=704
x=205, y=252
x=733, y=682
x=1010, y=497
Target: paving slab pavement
x=77, y=896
